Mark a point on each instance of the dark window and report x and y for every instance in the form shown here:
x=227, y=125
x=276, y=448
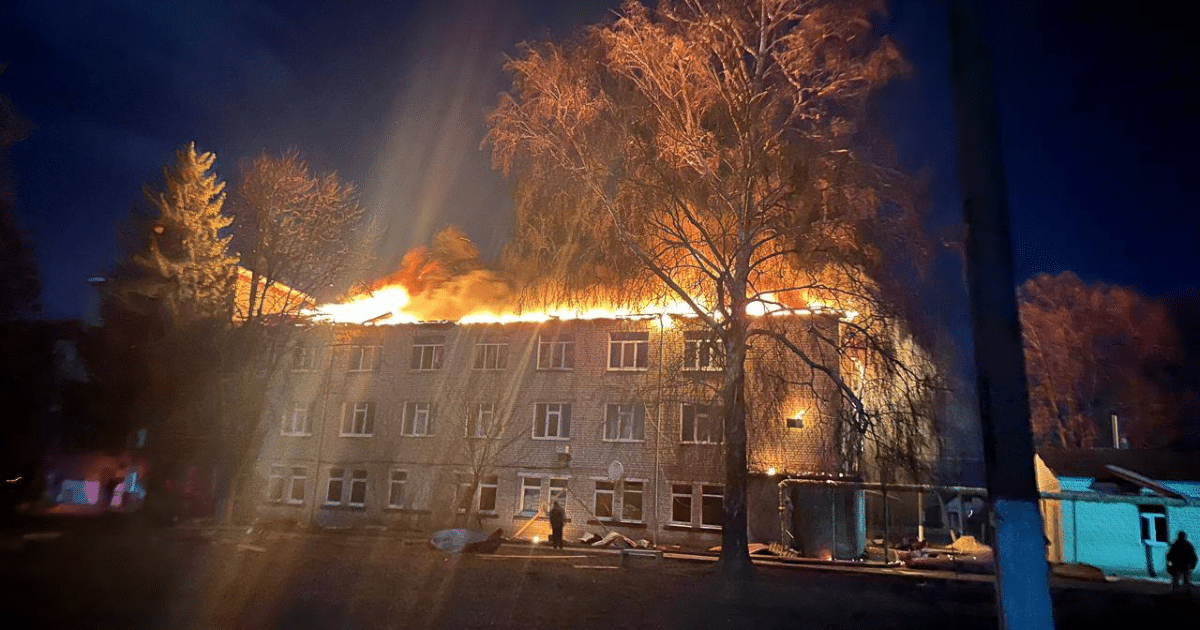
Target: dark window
x=712, y=512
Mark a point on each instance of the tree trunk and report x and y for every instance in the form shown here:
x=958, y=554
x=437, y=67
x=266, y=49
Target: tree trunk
x=735, y=556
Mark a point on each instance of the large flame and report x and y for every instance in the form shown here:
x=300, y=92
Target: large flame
x=387, y=306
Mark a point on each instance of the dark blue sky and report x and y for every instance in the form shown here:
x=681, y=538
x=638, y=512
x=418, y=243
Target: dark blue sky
x=1096, y=109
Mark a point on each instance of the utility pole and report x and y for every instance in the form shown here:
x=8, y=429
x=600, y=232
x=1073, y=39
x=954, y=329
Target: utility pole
x=1022, y=580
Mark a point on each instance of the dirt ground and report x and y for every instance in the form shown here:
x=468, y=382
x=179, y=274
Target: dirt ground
x=189, y=579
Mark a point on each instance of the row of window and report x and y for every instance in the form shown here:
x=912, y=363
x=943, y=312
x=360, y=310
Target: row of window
x=611, y=500
x=623, y=422
x=627, y=351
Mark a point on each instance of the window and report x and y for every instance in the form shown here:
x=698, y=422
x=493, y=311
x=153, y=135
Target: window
x=628, y=350
x=275, y=484
x=796, y=421
x=398, y=480
x=1154, y=524
x=487, y=493
x=552, y=421
x=480, y=420
x=531, y=495
x=358, y=488
x=298, y=422
x=304, y=358
x=702, y=351
x=364, y=358
x=360, y=419
x=491, y=356
x=337, y=487
x=605, y=491
x=286, y=484
x=681, y=503
x=337, y=483
x=427, y=352
x=625, y=423
x=484, y=497
x=701, y=425
x=418, y=419
x=299, y=479
x=631, y=501
x=712, y=508
x=556, y=353
x=622, y=498
x=558, y=492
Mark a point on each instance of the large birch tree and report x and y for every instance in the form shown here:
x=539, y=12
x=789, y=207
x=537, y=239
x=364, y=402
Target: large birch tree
x=710, y=151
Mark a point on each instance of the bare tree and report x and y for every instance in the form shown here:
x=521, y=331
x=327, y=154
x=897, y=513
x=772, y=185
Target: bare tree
x=708, y=149
x=1092, y=351
x=295, y=228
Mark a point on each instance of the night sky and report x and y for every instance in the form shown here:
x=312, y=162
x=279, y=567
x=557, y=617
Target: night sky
x=1098, y=127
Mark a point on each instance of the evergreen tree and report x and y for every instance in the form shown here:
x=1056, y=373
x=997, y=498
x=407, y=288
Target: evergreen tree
x=185, y=267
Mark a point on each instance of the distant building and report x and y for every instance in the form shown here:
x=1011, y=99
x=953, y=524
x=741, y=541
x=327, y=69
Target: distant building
x=1120, y=508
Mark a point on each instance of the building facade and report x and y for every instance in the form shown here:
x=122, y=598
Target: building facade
x=425, y=426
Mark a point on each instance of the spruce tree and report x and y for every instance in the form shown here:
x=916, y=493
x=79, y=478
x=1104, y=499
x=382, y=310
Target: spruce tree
x=186, y=266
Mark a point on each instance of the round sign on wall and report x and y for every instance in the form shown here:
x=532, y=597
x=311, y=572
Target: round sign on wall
x=616, y=470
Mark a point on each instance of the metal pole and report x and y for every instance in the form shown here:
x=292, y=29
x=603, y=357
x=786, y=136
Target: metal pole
x=1022, y=581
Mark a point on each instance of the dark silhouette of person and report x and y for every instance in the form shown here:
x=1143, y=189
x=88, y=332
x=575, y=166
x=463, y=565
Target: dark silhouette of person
x=1181, y=559
x=557, y=517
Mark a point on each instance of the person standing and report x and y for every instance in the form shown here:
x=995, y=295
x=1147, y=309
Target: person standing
x=1181, y=559
x=558, y=516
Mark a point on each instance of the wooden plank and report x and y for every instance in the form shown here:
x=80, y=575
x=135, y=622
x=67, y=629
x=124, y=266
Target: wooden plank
x=1145, y=482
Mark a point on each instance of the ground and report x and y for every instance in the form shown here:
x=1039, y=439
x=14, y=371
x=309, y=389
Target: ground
x=133, y=578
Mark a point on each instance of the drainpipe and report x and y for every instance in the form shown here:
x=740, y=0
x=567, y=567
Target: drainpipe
x=662, y=332
x=312, y=513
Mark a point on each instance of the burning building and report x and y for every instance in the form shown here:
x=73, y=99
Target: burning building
x=487, y=420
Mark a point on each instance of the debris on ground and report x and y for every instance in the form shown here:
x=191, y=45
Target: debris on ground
x=589, y=538
x=1079, y=572
x=466, y=541
x=964, y=555
x=616, y=540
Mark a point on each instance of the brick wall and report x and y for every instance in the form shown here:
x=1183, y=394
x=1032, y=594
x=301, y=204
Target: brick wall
x=657, y=457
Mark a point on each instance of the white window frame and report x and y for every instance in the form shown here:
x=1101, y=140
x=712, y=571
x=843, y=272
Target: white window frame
x=299, y=412
x=364, y=358
x=1148, y=520
x=413, y=412
x=706, y=352
x=351, y=419
x=358, y=479
x=542, y=414
x=397, y=478
x=428, y=354
x=618, y=493
x=704, y=495
x=464, y=485
x=304, y=358
x=610, y=492
x=490, y=355
x=691, y=497
x=625, y=492
x=340, y=479
x=624, y=418
x=482, y=419
x=715, y=433
x=630, y=351
x=559, y=353
x=297, y=479
x=546, y=485
x=524, y=490
x=277, y=478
